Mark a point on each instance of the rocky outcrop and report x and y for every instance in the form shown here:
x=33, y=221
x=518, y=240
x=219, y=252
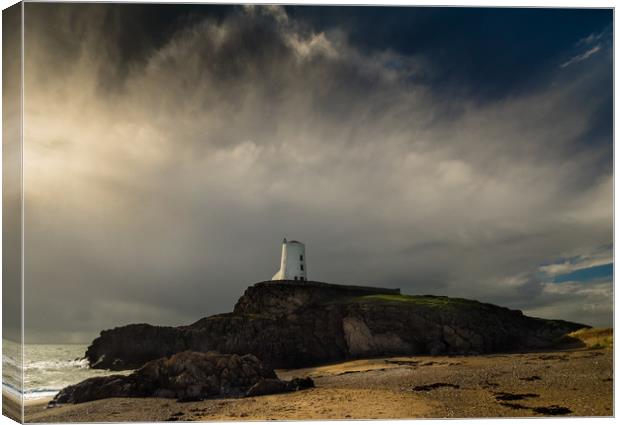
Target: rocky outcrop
x=146, y=343
x=283, y=298
x=186, y=376
x=294, y=324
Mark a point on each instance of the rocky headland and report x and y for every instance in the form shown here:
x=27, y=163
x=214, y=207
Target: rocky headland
x=292, y=324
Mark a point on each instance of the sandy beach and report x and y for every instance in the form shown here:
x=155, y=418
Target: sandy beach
x=11, y=406
x=571, y=383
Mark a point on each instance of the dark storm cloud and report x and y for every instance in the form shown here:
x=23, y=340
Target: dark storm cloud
x=482, y=53
x=163, y=171
x=123, y=36
x=11, y=175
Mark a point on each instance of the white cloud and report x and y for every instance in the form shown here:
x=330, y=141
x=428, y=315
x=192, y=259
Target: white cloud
x=598, y=257
x=581, y=57
x=316, y=44
x=587, y=303
x=593, y=38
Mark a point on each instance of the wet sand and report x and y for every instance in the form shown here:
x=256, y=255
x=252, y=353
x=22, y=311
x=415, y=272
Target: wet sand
x=567, y=383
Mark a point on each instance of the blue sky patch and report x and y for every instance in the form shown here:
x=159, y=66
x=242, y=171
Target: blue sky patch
x=591, y=273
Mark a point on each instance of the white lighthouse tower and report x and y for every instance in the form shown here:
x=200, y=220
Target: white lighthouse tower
x=293, y=262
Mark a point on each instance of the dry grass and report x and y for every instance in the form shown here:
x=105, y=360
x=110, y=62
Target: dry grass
x=595, y=338
x=592, y=338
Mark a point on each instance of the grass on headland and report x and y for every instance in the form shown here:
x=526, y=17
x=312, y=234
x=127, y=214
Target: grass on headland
x=427, y=300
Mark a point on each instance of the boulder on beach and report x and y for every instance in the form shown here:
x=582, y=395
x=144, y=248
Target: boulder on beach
x=186, y=376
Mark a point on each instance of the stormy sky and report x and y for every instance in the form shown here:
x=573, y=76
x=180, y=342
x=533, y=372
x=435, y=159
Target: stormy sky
x=170, y=148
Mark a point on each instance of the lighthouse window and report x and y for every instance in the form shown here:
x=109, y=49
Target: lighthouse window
x=302, y=267
x=301, y=258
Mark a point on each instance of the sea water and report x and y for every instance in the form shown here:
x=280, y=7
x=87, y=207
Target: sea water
x=12, y=368
x=47, y=368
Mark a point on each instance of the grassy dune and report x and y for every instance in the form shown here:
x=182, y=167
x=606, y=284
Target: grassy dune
x=588, y=338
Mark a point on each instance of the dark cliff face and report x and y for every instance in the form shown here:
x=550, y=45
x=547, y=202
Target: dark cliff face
x=278, y=298
x=295, y=324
